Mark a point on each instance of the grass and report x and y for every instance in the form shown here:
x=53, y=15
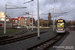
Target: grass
x=8, y=31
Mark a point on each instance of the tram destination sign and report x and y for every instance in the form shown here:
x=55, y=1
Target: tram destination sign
x=60, y=20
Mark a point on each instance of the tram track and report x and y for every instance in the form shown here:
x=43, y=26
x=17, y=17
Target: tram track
x=46, y=44
x=19, y=38
x=12, y=35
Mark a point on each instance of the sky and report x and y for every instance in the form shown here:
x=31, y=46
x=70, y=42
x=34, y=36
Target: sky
x=62, y=8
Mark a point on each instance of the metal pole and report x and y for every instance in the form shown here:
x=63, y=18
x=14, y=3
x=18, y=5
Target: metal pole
x=53, y=19
x=38, y=18
x=32, y=21
x=29, y=20
x=5, y=20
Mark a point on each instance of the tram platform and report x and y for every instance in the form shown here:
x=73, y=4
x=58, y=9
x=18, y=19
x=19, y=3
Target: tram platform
x=68, y=43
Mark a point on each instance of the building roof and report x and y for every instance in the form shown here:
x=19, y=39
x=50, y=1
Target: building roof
x=13, y=18
x=18, y=18
x=48, y=20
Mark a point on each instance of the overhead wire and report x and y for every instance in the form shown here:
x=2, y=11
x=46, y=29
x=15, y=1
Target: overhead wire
x=36, y=7
x=49, y=9
x=33, y=5
x=60, y=8
x=13, y=5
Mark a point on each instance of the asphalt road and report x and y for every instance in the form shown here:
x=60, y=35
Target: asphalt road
x=24, y=44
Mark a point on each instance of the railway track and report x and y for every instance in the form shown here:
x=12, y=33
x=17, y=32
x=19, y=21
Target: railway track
x=46, y=44
x=12, y=35
x=19, y=38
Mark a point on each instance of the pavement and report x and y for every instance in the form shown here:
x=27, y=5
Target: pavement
x=24, y=44
x=68, y=43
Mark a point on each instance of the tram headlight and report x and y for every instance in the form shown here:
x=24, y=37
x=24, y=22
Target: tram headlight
x=60, y=29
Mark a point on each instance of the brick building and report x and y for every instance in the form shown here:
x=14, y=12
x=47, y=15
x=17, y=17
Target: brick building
x=31, y=21
x=23, y=21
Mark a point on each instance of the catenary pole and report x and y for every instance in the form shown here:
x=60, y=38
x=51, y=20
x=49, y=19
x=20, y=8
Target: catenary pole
x=5, y=20
x=53, y=17
x=32, y=21
x=38, y=18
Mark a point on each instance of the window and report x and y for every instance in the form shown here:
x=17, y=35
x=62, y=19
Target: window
x=60, y=25
x=19, y=21
x=15, y=21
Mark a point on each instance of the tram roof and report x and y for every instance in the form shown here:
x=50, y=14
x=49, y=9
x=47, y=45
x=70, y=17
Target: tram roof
x=61, y=19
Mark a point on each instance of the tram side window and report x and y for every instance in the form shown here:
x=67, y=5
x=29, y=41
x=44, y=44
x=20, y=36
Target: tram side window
x=60, y=25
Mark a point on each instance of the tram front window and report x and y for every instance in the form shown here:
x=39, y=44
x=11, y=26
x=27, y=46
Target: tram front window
x=60, y=25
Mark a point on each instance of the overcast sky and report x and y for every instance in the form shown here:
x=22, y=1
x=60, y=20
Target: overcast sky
x=62, y=8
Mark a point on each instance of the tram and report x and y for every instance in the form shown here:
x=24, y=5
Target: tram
x=60, y=26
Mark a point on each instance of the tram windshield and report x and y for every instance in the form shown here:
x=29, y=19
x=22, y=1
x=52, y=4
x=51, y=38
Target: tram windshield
x=60, y=25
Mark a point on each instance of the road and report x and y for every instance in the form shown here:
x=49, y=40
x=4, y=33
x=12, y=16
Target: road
x=23, y=45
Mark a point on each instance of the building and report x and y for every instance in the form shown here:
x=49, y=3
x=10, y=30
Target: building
x=31, y=21
x=23, y=21
x=46, y=22
x=49, y=16
x=2, y=16
x=8, y=24
x=12, y=20
x=2, y=19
